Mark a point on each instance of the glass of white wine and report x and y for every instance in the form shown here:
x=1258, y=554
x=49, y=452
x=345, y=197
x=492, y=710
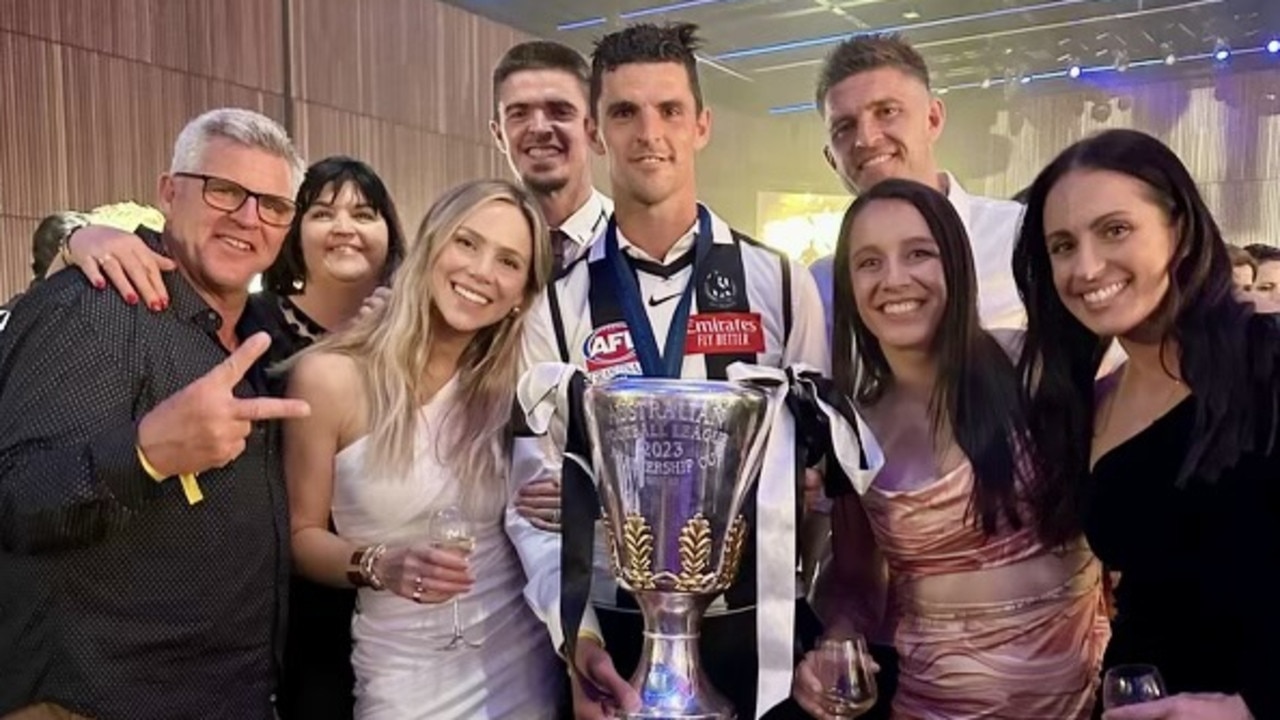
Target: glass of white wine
x=844, y=668
x=450, y=530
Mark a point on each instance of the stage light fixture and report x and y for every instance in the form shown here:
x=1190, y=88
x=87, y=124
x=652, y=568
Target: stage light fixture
x=1273, y=47
x=1221, y=50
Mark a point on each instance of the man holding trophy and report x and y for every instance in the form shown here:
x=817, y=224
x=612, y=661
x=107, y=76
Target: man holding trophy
x=671, y=293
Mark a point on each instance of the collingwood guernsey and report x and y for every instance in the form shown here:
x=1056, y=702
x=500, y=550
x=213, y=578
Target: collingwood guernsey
x=726, y=298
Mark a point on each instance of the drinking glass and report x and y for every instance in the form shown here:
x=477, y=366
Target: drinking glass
x=450, y=530
x=843, y=666
x=1130, y=685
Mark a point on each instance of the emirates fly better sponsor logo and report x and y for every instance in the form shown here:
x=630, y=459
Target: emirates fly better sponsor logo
x=706, y=334
x=723, y=333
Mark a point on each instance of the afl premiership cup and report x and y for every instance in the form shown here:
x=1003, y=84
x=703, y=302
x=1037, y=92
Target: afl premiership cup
x=675, y=461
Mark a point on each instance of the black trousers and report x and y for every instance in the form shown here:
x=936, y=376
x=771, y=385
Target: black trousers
x=317, y=682
x=728, y=650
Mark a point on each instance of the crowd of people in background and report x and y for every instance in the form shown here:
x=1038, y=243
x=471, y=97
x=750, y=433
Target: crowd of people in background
x=223, y=504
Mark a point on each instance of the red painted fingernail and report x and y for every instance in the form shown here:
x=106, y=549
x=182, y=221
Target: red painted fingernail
x=156, y=306
x=131, y=299
x=164, y=304
x=100, y=284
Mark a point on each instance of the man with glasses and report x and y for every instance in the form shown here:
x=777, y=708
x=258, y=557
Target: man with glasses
x=143, y=526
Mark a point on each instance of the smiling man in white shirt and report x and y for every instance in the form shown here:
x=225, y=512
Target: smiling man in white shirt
x=540, y=124
x=882, y=121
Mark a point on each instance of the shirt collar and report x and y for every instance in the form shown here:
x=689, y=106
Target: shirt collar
x=587, y=221
x=187, y=304
x=677, y=251
x=960, y=199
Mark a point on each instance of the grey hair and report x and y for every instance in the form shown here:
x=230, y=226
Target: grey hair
x=238, y=125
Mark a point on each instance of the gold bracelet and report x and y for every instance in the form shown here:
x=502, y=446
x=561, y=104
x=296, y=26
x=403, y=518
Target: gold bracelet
x=368, y=565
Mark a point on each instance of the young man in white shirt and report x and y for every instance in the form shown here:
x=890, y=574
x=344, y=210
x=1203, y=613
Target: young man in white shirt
x=668, y=265
x=882, y=122
x=540, y=124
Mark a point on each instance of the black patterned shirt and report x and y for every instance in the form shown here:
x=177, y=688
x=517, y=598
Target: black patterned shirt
x=118, y=598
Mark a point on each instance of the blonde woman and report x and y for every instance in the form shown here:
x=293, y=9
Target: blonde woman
x=409, y=416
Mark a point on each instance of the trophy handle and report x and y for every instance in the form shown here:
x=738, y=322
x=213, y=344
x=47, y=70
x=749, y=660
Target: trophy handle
x=755, y=454
x=583, y=464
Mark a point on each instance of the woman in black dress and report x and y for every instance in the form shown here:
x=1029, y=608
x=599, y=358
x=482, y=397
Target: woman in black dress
x=1169, y=463
x=345, y=241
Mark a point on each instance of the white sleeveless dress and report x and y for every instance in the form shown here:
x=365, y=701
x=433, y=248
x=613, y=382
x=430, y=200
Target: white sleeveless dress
x=400, y=672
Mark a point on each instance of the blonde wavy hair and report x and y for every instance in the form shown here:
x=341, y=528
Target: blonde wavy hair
x=392, y=347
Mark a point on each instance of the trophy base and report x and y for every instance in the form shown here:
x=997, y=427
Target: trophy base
x=669, y=678
x=650, y=715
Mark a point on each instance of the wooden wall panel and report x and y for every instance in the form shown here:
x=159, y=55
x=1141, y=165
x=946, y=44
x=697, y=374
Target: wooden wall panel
x=95, y=92
x=237, y=41
x=421, y=64
x=32, y=141
x=416, y=164
x=15, y=253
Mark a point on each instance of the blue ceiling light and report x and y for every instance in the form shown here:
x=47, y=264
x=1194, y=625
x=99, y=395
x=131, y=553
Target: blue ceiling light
x=909, y=27
x=670, y=7
x=1221, y=51
x=579, y=24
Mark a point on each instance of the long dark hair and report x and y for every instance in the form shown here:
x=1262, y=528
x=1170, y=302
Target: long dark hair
x=977, y=392
x=1061, y=357
x=288, y=274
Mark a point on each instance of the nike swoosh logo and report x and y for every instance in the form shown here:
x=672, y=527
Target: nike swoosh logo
x=655, y=302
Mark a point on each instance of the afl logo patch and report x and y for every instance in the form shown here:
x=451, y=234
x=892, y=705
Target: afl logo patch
x=719, y=289
x=607, y=346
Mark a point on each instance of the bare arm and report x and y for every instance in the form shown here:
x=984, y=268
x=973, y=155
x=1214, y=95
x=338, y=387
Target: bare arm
x=851, y=593
x=310, y=446
x=106, y=254
x=418, y=571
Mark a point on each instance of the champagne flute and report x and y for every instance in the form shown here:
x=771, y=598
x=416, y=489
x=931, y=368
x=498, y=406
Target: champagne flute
x=843, y=666
x=1130, y=685
x=450, y=530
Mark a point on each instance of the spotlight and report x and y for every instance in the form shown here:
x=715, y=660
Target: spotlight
x=1073, y=66
x=1221, y=51
x=1273, y=47
x=1166, y=52
x=1100, y=112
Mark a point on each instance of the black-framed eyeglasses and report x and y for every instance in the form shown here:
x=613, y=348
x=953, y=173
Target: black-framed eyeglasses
x=228, y=196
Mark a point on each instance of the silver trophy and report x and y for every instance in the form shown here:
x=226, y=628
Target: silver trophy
x=674, y=462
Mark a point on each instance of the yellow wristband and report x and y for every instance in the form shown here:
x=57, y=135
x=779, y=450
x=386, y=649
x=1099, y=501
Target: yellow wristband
x=190, y=487
x=148, y=467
